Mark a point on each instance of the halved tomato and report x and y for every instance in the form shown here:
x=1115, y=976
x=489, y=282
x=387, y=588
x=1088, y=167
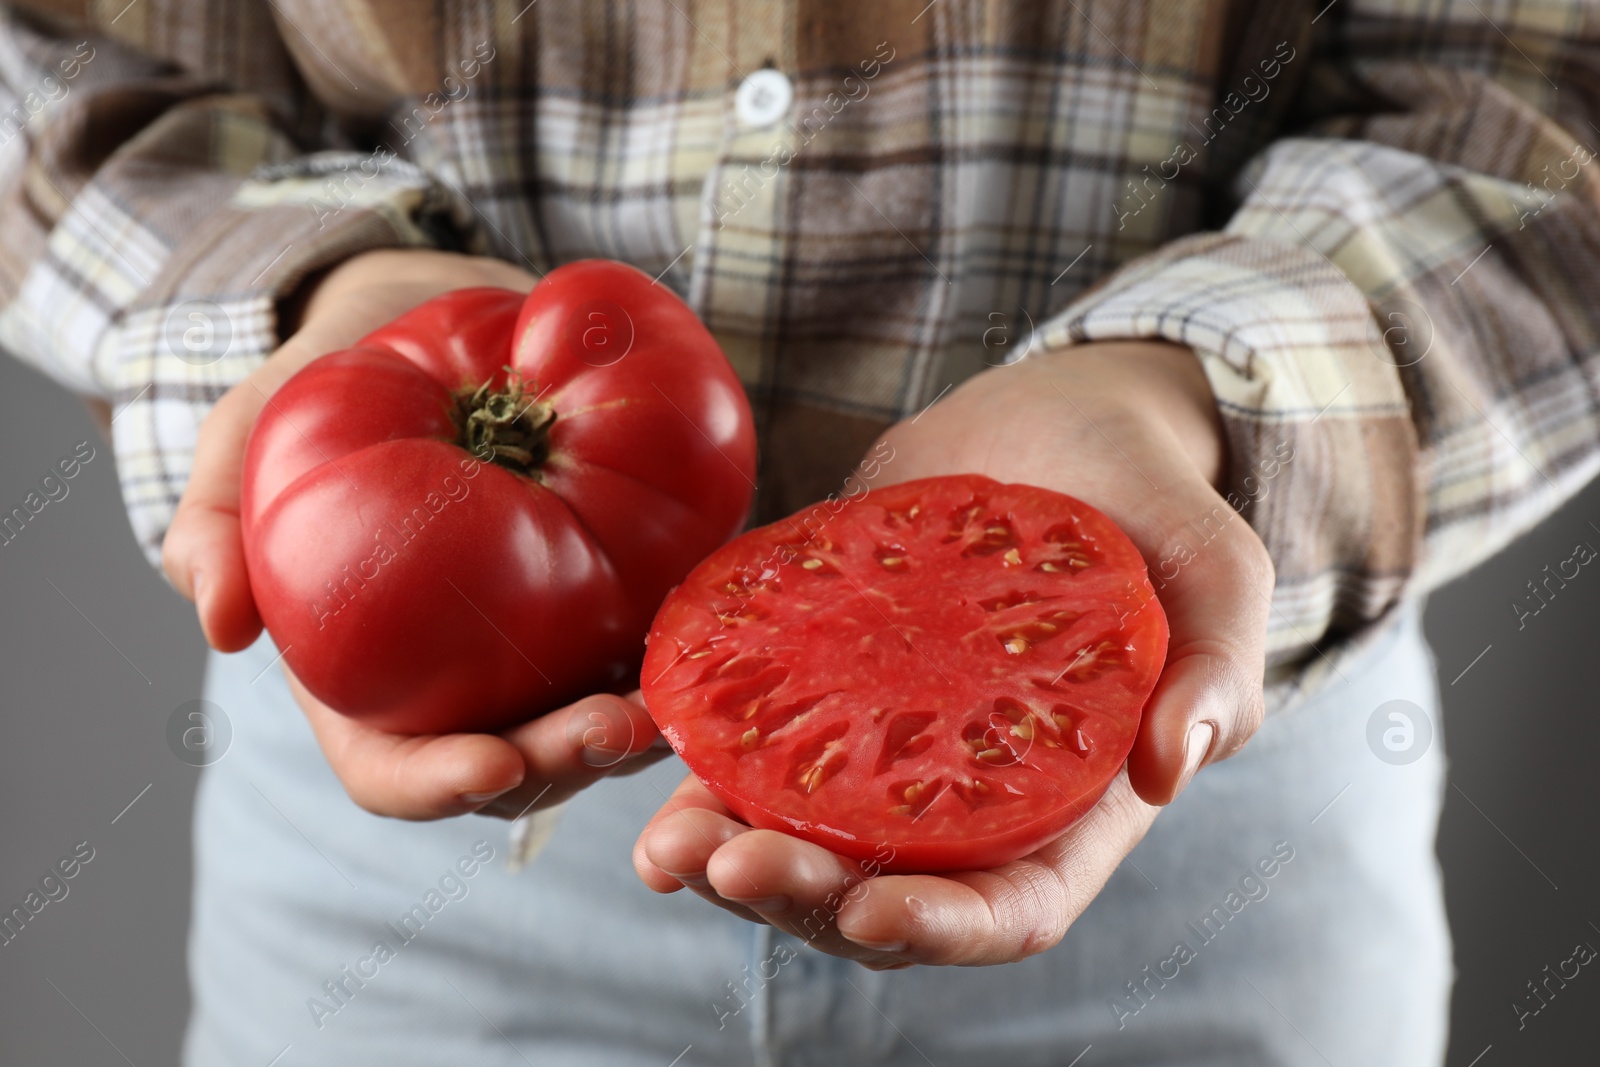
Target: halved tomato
x=951, y=667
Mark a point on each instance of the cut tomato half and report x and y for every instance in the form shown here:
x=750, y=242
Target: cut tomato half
x=952, y=668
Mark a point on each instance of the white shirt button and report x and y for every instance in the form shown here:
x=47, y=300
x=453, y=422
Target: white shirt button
x=763, y=98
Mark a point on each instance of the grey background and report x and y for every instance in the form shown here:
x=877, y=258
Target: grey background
x=96, y=652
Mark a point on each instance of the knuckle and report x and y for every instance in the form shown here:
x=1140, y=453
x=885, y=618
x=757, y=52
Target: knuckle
x=364, y=798
x=1251, y=714
x=1249, y=698
x=171, y=550
x=1250, y=555
x=226, y=409
x=1242, y=696
x=1036, y=909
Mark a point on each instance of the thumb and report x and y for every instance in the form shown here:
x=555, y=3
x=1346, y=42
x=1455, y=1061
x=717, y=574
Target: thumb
x=203, y=552
x=1209, y=700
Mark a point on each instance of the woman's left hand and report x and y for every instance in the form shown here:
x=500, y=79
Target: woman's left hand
x=1131, y=428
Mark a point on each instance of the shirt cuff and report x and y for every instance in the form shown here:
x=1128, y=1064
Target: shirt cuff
x=1323, y=451
x=207, y=316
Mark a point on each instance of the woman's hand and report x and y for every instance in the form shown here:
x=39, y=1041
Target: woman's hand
x=533, y=766
x=1131, y=428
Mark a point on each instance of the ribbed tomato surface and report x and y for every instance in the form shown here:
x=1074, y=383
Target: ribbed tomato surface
x=471, y=516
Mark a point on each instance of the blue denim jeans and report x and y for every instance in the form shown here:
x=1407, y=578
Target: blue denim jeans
x=1286, y=910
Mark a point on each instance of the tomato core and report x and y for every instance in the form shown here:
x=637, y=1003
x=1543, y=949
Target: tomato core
x=508, y=427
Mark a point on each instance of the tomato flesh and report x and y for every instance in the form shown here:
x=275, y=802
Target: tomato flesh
x=953, y=668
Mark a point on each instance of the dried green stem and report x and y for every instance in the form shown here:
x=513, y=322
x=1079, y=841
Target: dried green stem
x=510, y=428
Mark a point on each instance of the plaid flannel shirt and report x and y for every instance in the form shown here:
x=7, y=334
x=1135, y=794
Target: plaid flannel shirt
x=1373, y=220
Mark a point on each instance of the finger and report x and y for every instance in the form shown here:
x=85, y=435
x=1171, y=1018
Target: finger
x=684, y=842
x=798, y=887
x=206, y=562
x=760, y=875
x=1214, y=581
x=571, y=748
x=1213, y=578
x=710, y=896
x=777, y=874
x=688, y=842
x=1209, y=700
x=203, y=553
x=428, y=777
x=679, y=841
x=1007, y=914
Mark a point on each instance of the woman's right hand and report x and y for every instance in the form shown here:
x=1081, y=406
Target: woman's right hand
x=535, y=765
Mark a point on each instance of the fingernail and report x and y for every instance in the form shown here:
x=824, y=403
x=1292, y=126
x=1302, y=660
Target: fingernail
x=765, y=904
x=1195, y=749
x=598, y=757
x=698, y=881
x=879, y=946
x=200, y=603
x=197, y=585
x=484, y=798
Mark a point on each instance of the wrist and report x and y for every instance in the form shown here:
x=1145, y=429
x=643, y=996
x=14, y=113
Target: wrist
x=425, y=272
x=1159, y=379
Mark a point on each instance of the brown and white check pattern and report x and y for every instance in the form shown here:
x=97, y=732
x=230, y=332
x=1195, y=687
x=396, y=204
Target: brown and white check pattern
x=1310, y=194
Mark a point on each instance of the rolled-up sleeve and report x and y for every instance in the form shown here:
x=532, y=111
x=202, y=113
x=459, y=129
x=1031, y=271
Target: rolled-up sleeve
x=154, y=222
x=1401, y=318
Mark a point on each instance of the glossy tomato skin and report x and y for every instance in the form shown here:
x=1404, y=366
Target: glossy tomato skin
x=947, y=673
x=417, y=588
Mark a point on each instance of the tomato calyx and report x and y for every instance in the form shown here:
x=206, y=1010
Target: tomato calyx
x=507, y=427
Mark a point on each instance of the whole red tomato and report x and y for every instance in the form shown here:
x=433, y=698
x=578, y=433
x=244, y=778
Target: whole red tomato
x=471, y=516
x=951, y=667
